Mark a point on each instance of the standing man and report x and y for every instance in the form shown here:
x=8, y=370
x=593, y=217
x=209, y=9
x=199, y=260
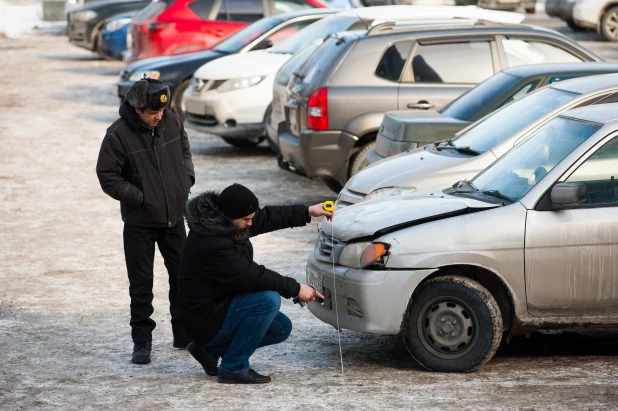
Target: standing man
x=145, y=163
x=227, y=303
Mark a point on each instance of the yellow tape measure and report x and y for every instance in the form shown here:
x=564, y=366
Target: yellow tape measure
x=329, y=205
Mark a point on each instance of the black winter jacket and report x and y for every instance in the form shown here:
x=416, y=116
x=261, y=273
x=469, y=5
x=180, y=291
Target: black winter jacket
x=149, y=170
x=217, y=263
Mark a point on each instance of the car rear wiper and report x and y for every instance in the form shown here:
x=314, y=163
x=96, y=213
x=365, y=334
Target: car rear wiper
x=498, y=194
x=299, y=75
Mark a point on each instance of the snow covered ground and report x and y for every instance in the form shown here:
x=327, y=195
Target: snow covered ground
x=19, y=17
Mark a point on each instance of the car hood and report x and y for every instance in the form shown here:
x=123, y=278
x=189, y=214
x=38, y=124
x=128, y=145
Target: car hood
x=163, y=62
x=424, y=126
x=254, y=63
x=372, y=219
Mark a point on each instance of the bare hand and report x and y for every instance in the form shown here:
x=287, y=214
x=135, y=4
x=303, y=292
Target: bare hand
x=308, y=294
x=318, y=211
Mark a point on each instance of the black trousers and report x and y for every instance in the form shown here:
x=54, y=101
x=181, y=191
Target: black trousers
x=139, y=250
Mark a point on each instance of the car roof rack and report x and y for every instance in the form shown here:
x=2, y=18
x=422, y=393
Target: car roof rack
x=404, y=26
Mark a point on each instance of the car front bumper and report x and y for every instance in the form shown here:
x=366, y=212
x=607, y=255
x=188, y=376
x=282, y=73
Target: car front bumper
x=80, y=33
x=370, y=301
x=316, y=153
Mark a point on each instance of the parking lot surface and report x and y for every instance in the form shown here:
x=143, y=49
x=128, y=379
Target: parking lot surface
x=64, y=304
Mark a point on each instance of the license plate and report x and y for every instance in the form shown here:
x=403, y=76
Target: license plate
x=195, y=107
x=315, y=280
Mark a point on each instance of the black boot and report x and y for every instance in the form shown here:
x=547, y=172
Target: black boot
x=180, y=343
x=208, y=365
x=141, y=353
x=247, y=377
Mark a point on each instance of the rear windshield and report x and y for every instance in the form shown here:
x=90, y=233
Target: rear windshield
x=245, y=36
x=317, y=31
x=152, y=10
x=465, y=107
x=284, y=75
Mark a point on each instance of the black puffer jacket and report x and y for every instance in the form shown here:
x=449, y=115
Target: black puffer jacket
x=149, y=170
x=217, y=263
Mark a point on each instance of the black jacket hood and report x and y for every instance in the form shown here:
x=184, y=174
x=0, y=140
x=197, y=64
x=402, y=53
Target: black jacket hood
x=205, y=218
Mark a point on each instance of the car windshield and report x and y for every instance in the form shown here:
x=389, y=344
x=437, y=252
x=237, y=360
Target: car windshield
x=468, y=105
x=524, y=166
x=315, y=31
x=245, y=36
x=511, y=119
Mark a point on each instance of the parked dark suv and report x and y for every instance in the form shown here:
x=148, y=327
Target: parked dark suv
x=338, y=98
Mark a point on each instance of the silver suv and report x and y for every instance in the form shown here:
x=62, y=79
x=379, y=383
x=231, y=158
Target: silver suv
x=338, y=98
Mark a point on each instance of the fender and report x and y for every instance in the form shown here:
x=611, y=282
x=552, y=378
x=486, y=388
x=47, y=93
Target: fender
x=364, y=124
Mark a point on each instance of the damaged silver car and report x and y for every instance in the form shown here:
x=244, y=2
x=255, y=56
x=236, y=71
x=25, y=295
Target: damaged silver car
x=529, y=243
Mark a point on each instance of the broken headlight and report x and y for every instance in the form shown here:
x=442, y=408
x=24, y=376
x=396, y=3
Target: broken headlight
x=361, y=255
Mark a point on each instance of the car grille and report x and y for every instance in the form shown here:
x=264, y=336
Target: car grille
x=206, y=119
x=328, y=248
x=349, y=197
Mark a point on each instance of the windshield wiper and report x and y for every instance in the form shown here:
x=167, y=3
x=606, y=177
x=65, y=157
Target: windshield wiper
x=498, y=194
x=448, y=144
x=467, y=150
x=462, y=183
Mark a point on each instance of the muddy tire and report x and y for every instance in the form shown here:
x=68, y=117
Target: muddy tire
x=609, y=24
x=239, y=142
x=573, y=25
x=177, y=99
x=359, y=160
x=453, y=325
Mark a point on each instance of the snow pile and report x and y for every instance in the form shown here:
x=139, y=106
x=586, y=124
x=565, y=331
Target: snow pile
x=19, y=17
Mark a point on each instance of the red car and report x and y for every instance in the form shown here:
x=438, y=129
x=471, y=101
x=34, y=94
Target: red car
x=167, y=27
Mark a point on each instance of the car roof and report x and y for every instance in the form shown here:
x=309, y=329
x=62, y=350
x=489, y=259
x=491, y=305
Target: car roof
x=590, y=84
x=561, y=68
x=305, y=12
x=600, y=113
x=388, y=13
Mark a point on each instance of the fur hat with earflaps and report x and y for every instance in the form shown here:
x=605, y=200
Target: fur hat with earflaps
x=148, y=93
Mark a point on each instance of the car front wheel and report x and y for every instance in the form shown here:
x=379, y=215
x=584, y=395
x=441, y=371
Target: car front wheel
x=453, y=325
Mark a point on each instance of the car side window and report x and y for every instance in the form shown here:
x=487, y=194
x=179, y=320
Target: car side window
x=519, y=52
x=468, y=63
x=201, y=8
x=241, y=10
x=285, y=32
x=284, y=6
x=527, y=88
x=600, y=175
x=393, y=60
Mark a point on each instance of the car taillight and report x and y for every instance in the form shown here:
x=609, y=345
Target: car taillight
x=317, y=110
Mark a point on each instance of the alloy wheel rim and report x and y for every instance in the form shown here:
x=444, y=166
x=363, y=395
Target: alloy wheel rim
x=612, y=24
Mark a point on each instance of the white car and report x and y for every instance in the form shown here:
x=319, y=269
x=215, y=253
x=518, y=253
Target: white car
x=601, y=15
x=231, y=96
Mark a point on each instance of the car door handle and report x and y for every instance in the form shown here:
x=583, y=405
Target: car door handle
x=421, y=105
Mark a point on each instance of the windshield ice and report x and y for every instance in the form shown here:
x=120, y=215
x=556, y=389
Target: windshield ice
x=520, y=169
x=513, y=118
x=315, y=31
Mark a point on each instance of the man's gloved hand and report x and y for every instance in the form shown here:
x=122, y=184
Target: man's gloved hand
x=308, y=294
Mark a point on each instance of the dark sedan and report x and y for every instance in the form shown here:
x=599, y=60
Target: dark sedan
x=85, y=24
x=404, y=130
x=176, y=71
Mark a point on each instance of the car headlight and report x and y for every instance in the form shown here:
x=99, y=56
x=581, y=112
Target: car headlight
x=389, y=192
x=197, y=84
x=117, y=24
x=138, y=75
x=239, y=83
x=84, y=15
x=360, y=255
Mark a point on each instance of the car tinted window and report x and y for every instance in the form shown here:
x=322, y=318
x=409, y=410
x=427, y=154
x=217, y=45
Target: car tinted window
x=600, y=174
x=241, y=10
x=284, y=6
x=202, y=8
x=317, y=31
x=152, y=10
x=513, y=118
x=522, y=91
x=293, y=64
x=466, y=106
x=519, y=52
x=523, y=167
x=393, y=60
x=452, y=63
x=245, y=36
x=321, y=60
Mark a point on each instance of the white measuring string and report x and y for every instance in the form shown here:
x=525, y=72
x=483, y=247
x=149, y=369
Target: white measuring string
x=332, y=226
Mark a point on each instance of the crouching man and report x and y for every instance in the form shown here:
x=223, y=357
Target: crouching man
x=228, y=304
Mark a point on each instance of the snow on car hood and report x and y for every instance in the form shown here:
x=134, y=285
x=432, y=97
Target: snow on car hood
x=366, y=218
x=254, y=63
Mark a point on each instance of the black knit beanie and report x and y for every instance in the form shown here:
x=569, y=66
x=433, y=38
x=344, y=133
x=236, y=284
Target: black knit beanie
x=237, y=201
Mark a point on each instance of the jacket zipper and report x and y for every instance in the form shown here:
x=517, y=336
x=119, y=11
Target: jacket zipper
x=154, y=149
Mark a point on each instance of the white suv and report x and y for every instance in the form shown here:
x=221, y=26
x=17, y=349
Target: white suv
x=601, y=15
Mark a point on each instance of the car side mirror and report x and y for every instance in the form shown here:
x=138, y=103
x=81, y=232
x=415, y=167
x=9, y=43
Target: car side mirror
x=264, y=44
x=566, y=194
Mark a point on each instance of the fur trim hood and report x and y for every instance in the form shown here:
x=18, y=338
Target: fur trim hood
x=205, y=218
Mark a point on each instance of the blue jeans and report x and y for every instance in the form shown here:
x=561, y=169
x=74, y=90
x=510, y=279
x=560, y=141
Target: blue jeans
x=252, y=321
